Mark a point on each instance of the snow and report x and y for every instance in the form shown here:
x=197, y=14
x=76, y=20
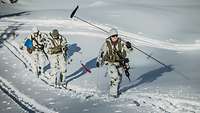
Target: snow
x=168, y=30
x=134, y=38
x=28, y=102
x=98, y=4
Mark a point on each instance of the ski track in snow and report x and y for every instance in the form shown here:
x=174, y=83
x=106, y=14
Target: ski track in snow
x=158, y=102
x=24, y=101
x=165, y=103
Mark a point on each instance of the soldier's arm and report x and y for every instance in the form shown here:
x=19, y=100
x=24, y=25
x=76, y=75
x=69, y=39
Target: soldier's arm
x=102, y=53
x=44, y=37
x=48, y=45
x=127, y=46
x=22, y=44
x=64, y=44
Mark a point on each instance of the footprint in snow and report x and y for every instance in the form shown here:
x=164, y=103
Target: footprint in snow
x=14, y=67
x=4, y=102
x=13, y=76
x=58, y=94
x=51, y=103
x=95, y=104
x=3, y=94
x=118, y=111
x=36, y=93
x=4, y=58
x=23, y=83
x=66, y=107
x=6, y=63
x=6, y=70
x=50, y=99
x=26, y=75
x=85, y=110
x=8, y=108
x=130, y=105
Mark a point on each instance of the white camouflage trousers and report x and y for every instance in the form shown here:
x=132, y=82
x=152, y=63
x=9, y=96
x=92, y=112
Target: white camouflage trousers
x=58, y=68
x=38, y=58
x=115, y=75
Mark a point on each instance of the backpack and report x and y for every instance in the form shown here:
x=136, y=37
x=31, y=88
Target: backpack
x=114, y=55
x=57, y=47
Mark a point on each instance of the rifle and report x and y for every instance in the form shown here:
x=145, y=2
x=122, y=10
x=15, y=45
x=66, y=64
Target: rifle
x=40, y=46
x=123, y=62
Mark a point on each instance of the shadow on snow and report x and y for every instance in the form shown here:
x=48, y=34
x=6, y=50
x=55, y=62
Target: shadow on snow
x=15, y=14
x=72, y=48
x=81, y=71
x=10, y=30
x=148, y=77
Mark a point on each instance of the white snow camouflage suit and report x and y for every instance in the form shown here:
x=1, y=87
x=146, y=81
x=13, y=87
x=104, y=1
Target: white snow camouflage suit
x=109, y=57
x=38, y=56
x=57, y=49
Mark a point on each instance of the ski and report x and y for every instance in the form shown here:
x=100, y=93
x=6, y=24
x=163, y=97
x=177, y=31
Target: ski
x=85, y=68
x=62, y=86
x=23, y=59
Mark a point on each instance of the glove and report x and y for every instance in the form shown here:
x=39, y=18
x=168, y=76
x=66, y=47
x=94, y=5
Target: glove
x=126, y=60
x=29, y=50
x=41, y=46
x=21, y=47
x=97, y=64
x=128, y=45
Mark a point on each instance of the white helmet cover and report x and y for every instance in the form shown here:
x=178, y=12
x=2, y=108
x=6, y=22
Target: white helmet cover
x=112, y=32
x=35, y=29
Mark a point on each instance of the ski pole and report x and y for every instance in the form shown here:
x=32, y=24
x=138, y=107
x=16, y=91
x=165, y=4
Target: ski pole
x=14, y=54
x=73, y=15
x=150, y=56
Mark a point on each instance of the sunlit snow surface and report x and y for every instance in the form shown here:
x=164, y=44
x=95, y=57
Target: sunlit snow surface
x=168, y=30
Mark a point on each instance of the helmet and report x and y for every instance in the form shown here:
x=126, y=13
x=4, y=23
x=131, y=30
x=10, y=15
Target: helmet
x=35, y=29
x=112, y=32
x=55, y=33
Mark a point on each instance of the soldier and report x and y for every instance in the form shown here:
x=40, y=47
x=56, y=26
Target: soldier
x=35, y=43
x=113, y=54
x=57, y=49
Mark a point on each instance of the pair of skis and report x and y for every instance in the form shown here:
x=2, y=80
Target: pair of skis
x=64, y=87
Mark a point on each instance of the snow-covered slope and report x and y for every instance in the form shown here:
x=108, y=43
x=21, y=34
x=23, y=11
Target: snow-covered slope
x=154, y=26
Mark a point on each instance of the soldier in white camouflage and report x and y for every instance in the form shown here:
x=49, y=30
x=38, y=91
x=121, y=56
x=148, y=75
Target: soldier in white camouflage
x=36, y=50
x=112, y=54
x=57, y=49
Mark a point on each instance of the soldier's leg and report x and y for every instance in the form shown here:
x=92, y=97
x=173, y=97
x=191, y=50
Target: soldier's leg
x=53, y=70
x=63, y=67
x=34, y=63
x=39, y=62
x=42, y=60
x=120, y=71
x=114, y=80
